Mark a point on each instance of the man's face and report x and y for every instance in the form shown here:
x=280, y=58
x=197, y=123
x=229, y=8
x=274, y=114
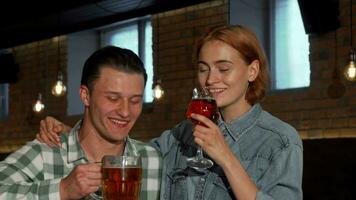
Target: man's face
x=115, y=103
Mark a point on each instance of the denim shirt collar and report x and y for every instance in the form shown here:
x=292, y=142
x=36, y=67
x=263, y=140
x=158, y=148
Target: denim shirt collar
x=238, y=126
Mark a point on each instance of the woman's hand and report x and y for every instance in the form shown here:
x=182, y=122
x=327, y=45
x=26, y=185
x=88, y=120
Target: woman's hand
x=50, y=128
x=210, y=138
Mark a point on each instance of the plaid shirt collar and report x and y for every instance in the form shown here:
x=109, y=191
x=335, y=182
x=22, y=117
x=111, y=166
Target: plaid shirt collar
x=76, y=153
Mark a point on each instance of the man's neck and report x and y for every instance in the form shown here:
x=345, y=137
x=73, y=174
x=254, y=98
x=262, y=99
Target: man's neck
x=95, y=146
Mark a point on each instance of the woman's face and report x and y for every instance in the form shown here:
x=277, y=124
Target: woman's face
x=223, y=71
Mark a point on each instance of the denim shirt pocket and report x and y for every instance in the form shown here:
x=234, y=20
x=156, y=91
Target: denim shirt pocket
x=222, y=189
x=256, y=168
x=251, y=167
x=177, y=184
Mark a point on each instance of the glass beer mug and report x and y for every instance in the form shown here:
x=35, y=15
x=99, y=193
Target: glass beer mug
x=121, y=178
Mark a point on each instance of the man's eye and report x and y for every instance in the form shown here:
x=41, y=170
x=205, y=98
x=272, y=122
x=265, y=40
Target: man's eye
x=136, y=100
x=223, y=69
x=111, y=98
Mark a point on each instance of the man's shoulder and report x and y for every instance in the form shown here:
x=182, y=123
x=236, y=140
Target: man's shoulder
x=32, y=152
x=151, y=158
x=144, y=149
x=32, y=147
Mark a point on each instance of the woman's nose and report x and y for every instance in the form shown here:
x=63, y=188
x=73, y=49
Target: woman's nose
x=213, y=77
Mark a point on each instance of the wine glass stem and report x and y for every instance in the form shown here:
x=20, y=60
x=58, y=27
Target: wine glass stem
x=199, y=153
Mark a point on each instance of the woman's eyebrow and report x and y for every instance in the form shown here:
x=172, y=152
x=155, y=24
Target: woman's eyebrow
x=216, y=62
x=224, y=61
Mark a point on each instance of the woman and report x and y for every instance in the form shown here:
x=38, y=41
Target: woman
x=256, y=155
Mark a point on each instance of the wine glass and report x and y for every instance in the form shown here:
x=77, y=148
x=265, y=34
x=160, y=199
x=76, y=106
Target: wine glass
x=204, y=104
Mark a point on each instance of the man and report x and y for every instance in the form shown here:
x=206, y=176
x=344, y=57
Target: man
x=112, y=86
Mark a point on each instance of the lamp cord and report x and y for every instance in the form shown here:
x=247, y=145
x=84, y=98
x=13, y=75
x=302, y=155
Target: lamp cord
x=58, y=43
x=59, y=54
x=38, y=57
x=156, y=78
x=336, y=73
x=351, y=38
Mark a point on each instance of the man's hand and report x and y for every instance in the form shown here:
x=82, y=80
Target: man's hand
x=50, y=128
x=83, y=180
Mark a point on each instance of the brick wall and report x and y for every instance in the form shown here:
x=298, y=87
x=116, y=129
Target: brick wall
x=38, y=63
x=177, y=33
x=310, y=110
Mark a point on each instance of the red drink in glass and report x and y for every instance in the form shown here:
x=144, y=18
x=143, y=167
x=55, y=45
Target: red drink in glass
x=202, y=103
x=122, y=176
x=122, y=183
x=205, y=106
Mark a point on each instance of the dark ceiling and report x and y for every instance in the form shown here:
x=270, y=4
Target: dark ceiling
x=26, y=21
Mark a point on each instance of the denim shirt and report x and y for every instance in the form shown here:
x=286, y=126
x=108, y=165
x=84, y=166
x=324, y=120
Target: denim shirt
x=269, y=149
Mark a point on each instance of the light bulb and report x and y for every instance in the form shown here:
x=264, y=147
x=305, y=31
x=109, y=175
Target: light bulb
x=350, y=71
x=38, y=106
x=350, y=68
x=158, y=91
x=59, y=89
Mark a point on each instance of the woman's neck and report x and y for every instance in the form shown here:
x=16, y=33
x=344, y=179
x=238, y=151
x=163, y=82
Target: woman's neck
x=232, y=112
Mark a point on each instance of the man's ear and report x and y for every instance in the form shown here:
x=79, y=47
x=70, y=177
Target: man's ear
x=253, y=70
x=84, y=95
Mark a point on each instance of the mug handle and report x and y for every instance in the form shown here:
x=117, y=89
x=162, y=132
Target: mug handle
x=95, y=195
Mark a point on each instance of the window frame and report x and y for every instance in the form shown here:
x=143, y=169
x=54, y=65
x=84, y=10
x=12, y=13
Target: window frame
x=141, y=28
x=4, y=101
x=273, y=53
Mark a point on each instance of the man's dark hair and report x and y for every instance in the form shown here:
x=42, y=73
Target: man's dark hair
x=117, y=58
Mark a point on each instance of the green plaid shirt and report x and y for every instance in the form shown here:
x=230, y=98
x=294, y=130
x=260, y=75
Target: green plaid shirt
x=35, y=170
